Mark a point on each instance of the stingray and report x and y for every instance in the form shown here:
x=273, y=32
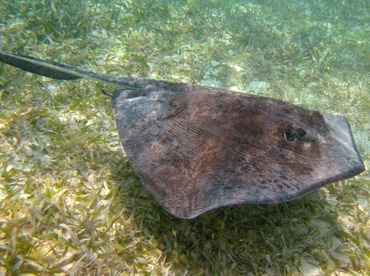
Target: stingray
x=198, y=148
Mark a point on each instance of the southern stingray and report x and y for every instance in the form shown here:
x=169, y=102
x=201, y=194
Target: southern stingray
x=197, y=148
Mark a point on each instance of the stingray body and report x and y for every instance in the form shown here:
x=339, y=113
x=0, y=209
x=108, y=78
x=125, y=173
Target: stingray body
x=197, y=148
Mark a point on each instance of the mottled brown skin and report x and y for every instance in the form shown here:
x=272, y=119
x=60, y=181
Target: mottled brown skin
x=198, y=148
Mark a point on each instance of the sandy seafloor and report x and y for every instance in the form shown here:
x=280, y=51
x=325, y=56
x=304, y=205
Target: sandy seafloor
x=70, y=203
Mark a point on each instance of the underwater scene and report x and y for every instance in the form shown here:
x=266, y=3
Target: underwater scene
x=71, y=201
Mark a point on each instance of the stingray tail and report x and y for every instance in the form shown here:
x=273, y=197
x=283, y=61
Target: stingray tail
x=57, y=70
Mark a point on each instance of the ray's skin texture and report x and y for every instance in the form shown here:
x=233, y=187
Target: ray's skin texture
x=198, y=148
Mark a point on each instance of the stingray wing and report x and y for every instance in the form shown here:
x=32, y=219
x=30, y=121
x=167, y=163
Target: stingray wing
x=197, y=148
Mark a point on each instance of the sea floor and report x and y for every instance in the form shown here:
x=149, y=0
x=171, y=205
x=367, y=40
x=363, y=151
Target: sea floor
x=70, y=203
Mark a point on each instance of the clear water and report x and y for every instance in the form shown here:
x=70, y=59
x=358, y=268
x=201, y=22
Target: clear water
x=60, y=147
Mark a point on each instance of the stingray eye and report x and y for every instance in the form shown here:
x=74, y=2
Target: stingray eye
x=289, y=135
x=300, y=133
x=292, y=134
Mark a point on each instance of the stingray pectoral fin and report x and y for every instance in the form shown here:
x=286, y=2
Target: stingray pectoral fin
x=341, y=132
x=198, y=148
